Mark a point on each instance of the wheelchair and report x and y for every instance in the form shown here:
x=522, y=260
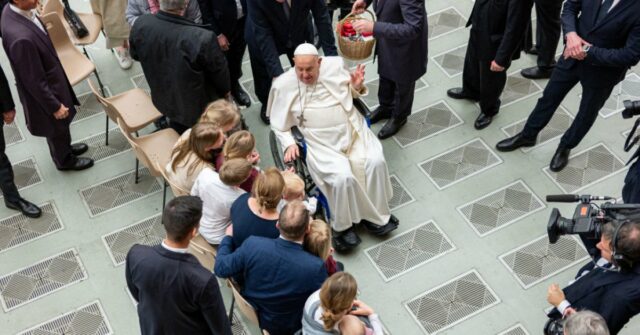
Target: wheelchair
x=323, y=211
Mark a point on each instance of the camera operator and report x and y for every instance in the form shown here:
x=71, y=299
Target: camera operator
x=610, y=285
x=585, y=323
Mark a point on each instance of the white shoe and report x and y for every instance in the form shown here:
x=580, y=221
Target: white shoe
x=123, y=57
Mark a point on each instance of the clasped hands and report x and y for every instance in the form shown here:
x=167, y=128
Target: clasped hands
x=574, y=48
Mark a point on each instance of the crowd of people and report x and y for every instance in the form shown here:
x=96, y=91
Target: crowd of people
x=260, y=220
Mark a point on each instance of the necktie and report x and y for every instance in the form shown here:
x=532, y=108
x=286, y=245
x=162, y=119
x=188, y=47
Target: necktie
x=287, y=9
x=605, y=6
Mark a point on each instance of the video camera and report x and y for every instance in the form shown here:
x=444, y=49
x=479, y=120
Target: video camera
x=631, y=108
x=588, y=217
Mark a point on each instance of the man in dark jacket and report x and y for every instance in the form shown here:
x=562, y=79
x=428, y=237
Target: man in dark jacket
x=45, y=92
x=183, y=64
x=227, y=19
x=497, y=32
x=276, y=27
x=402, y=34
x=547, y=38
x=175, y=294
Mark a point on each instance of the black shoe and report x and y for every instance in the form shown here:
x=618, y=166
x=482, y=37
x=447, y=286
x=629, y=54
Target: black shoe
x=161, y=123
x=378, y=114
x=28, y=209
x=378, y=230
x=483, y=121
x=515, y=142
x=560, y=159
x=458, y=93
x=391, y=128
x=345, y=240
x=79, y=148
x=81, y=163
x=394, y=219
x=241, y=97
x=536, y=72
x=532, y=51
x=263, y=114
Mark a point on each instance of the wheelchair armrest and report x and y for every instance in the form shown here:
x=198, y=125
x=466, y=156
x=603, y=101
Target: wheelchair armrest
x=361, y=107
x=297, y=134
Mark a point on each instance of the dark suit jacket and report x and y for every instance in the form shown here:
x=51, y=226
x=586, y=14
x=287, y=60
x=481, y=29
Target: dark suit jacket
x=401, y=34
x=498, y=28
x=6, y=100
x=279, y=276
x=614, y=295
x=183, y=64
x=221, y=15
x=270, y=33
x=42, y=83
x=175, y=294
x=615, y=40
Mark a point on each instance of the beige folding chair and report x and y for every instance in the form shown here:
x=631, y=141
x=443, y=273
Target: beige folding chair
x=177, y=190
x=134, y=107
x=203, y=251
x=155, y=147
x=245, y=307
x=92, y=21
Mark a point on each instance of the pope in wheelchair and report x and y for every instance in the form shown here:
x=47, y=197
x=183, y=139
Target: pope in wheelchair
x=343, y=156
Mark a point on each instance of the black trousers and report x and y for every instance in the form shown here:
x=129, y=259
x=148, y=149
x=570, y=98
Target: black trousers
x=261, y=78
x=7, y=184
x=480, y=82
x=234, y=55
x=561, y=82
x=178, y=127
x=60, y=148
x=547, y=31
x=396, y=97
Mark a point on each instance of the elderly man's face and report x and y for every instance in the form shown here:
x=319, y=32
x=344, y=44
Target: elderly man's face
x=26, y=4
x=307, y=68
x=605, y=248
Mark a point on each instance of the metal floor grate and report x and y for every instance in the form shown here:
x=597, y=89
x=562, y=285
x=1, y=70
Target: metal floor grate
x=119, y=191
x=373, y=85
x=539, y=260
x=628, y=89
x=518, y=88
x=500, y=208
x=146, y=232
x=558, y=124
x=140, y=81
x=401, y=195
x=86, y=320
x=26, y=174
x=427, y=122
x=459, y=163
x=89, y=106
x=18, y=229
x=40, y=279
x=405, y=252
x=237, y=327
x=586, y=168
x=445, y=21
x=98, y=151
x=12, y=134
x=515, y=330
x=451, y=62
x=452, y=302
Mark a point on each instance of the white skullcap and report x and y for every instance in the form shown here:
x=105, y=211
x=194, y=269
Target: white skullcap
x=306, y=49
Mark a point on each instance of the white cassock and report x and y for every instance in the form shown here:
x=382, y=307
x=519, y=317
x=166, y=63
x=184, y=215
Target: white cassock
x=344, y=156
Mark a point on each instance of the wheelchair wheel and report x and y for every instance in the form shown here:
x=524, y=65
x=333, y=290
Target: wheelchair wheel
x=276, y=151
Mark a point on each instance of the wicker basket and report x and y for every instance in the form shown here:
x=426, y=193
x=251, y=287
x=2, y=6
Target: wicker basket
x=354, y=50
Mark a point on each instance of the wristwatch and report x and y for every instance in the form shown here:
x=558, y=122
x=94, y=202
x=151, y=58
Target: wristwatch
x=586, y=48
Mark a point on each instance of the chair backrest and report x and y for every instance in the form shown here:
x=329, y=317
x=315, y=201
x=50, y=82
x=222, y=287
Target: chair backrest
x=203, y=251
x=177, y=190
x=53, y=6
x=57, y=33
x=244, y=306
x=142, y=156
x=109, y=108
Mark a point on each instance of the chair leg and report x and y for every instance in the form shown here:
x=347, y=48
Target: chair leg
x=233, y=302
x=164, y=194
x=137, y=165
x=99, y=82
x=106, y=131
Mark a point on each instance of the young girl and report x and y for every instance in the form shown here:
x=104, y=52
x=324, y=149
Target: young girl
x=294, y=190
x=241, y=144
x=318, y=242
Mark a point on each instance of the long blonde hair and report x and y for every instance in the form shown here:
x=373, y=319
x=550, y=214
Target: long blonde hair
x=221, y=112
x=239, y=145
x=267, y=189
x=202, y=136
x=336, y=297
x=318, y=240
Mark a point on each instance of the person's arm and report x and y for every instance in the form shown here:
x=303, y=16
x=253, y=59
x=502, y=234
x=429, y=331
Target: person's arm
x=6, y=100
x=323, y=24
x=627, y=56
x=216, y=66
x=411, y=27
x=29, y=69
x=193, y=12
x=133, y=11
x=228, y=262
x=207, y=15
x=127, y=272
x=518, y=14
x=569, y=16
x=618, y=308
x=264, y=38
x=376, y=325
x=212, y=308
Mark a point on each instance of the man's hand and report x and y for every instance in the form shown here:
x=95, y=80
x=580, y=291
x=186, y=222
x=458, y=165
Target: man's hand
x=358, y=7
x=363, y=26
x=9, y=116
x=574, y=45
x=291, y=153
x=555, y=295
x=62, y=113
x=495, y=67
x=223, y=42
x=229, y=230
x=357, y=77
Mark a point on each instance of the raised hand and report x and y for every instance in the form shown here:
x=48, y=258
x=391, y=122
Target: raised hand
x=357, y=77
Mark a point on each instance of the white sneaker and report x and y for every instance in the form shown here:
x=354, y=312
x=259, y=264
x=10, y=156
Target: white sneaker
x=123, y=57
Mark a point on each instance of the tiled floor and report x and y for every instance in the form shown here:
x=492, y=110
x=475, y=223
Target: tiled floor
x=470, y=256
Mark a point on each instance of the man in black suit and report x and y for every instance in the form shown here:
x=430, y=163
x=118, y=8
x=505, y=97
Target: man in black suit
x=401, y=47
x=276, y=27
x=175, y=294
x=610, y=284
x=547, y=38
x=602, y=41
x=497, y=31
x=12, y=198
x=227, y=19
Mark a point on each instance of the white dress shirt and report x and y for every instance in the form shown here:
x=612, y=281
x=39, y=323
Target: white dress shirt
x=178, y=250
x=30, y=15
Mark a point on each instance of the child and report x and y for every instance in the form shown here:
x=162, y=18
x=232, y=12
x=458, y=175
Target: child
x=294, y=190
x=241, y=144
x=318, y=242
x=218, y=192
